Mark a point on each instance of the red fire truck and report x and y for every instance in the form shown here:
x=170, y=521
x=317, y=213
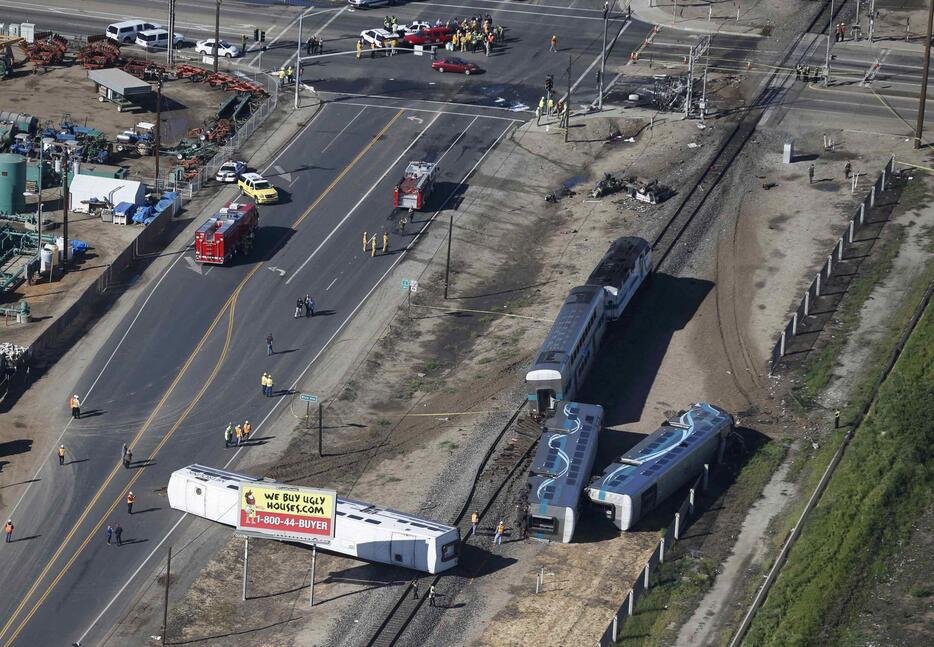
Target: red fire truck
x=416, y=185
x=228, y=232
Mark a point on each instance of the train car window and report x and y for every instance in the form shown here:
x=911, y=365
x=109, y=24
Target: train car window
x=539, y=522
x=354, y=516
x=373, y=521
x=449, y=551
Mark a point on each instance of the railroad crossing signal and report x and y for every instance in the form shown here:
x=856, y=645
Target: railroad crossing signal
x=411, y=285
x=308, y=397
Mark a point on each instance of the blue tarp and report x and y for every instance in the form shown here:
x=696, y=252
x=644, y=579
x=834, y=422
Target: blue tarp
x=124, y=209
x=78, y=247
x=142, y=214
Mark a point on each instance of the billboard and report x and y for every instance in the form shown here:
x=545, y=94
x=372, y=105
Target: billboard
x=286, y=511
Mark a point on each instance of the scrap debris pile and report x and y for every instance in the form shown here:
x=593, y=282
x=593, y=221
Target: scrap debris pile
x=652, y=192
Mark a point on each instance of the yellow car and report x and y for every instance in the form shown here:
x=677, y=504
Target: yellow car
x=257, y=187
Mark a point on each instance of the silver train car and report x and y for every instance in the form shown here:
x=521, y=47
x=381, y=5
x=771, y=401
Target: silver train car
x=361, y=530
x=661, y=463
x=568, y=351
x=560, y=470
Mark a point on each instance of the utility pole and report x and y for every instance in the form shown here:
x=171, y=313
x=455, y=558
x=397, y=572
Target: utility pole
x=827, y=60
x=567, y=104
x=872, y=18
x=217, y=33
x=64, y=256
x=298, y=57
x=606, y=16
x=447, y=263
x=320, y=428
x=170, y=48
x=39, y=205
x=922, y=100
x=165, y=599
x=158, y=142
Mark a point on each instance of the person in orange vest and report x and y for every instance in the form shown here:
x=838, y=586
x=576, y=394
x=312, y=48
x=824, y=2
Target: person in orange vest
x=554, y=43
x=130, y=500
x=75, y=405
x=238, y=432
x=247, y=430
x=61, y=455
x=8, y=529
x=500, y=530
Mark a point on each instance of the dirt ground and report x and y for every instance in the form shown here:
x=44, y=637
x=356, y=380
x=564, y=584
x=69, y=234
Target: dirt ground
x=186, y=105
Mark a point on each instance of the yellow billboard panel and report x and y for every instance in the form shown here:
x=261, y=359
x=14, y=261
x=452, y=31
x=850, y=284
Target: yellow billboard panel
x=286, y=511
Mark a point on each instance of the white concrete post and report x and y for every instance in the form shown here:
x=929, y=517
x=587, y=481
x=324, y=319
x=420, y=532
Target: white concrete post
x=781, y=353
x=817, y=286
x=840, y=249
x=661, y=551
x=872, y=196
x=246, y=563
x=794, y=331
x=632, y=595
x=691, y=493
x=829, y=265
x=862, y=213
x=852, y=229
x=615, y=626
x=882, y=185
x=677, y=525
x=807, y=302
x=645, y=577
x=893, y=164
x=707, y=467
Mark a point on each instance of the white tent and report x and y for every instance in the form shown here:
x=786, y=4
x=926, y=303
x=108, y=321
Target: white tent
x=85, y=188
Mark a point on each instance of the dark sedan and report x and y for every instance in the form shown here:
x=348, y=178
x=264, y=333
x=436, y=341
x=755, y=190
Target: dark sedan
x=453, y=64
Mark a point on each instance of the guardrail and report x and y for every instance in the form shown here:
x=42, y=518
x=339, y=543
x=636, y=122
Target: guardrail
x=669, y=538
x=818, y=285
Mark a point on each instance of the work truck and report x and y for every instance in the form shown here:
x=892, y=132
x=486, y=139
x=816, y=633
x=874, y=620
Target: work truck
x=227, y=233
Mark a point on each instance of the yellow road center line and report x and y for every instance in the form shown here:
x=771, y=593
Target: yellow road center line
x=230, y=303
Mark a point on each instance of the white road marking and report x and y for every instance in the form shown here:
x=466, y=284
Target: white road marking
x=418, y=119
x=331, y=284
x=337, y=136
x=410, y=109
x=181, y=254
x=193, y=265
x=364, y=197
x=281, y=171
x=285, y=29
x=276, y=269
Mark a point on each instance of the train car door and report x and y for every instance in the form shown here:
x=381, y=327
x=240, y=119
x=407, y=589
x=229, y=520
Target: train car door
x=403, y=550
x=194, y=498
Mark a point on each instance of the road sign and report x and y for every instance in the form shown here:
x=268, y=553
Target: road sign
x=286, y=512
x=405, y=284
x=308, y=397
x=413, y=286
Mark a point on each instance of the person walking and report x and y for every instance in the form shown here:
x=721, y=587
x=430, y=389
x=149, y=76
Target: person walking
x=61, y=455
x=309, y=46
x=238, y=434
x=359, y=48
x=128, y=458
x=269, y=386
x=228, y=433
x=373, y=246
x=269, y=340
x=554, y=43
x=110, y=533
x=75, y=404
x=415, y=589
x=123, y=455
x=130, y=500
x=118, y=534
x=365, y=240
x=247, y=430
x=8, y=530
x=403, y=221
x=385, y=242
x=811, y=174
x=281, y=76
x=500, y=530
x=474, y=520
x=847, y=170
x=290, y=75
x=299, y=307
x=309, y=306
x=262, y=384
x=431, y=595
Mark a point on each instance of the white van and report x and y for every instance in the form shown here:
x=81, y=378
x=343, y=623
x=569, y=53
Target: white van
x=126, y=31
x=156, y=39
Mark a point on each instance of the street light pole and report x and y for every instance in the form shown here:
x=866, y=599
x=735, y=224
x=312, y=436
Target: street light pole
x=606, y=15
x=827, y=61
x=567, y=104
x=298, y=57
x=64, y=256
x=217, y=33
x=158, y=142
x=922, y=100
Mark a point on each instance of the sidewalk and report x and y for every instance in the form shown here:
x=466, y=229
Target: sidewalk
x=750, y=18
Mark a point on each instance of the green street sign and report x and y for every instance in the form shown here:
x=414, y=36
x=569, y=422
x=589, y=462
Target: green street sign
x=308, y=397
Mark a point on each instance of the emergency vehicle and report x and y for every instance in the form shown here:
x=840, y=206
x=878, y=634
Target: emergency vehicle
x=228, y=232
x=416, y=186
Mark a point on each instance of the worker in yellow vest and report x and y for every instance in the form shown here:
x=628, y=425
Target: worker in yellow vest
x=238, y=432
x=130, y=500
x=61, y=455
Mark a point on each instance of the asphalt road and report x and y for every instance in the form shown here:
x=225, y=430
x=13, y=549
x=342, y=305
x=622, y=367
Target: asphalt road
x=188, y=356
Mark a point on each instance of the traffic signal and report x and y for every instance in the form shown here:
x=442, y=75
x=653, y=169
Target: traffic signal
x=256, y=35
x=549, y=82
x=262, y=36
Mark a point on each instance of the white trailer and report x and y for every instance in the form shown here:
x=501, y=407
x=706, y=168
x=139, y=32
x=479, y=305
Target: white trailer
x=361, y=530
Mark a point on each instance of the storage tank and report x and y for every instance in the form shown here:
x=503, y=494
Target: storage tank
x=21, y=121
x=12, y=183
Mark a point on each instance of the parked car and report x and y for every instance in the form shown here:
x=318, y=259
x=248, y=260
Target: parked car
x=230, y=171
x=126, y=31
x=257, y=187
x=380, y=37
x=412, y=27
x=430, y=36
x=157, y=39
x=224, y=48
x=366, y=4
x=453, y=64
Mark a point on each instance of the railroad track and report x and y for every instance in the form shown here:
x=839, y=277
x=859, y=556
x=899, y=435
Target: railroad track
x=406, y=606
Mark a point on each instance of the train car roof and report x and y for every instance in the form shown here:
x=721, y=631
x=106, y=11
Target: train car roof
x=662, y=450
x=617, y=261
x=348, y=508
x=567, y=326
x=566, y=447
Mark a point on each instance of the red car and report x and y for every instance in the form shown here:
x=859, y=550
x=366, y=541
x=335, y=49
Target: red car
x=452, y=64
x=430, y=36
